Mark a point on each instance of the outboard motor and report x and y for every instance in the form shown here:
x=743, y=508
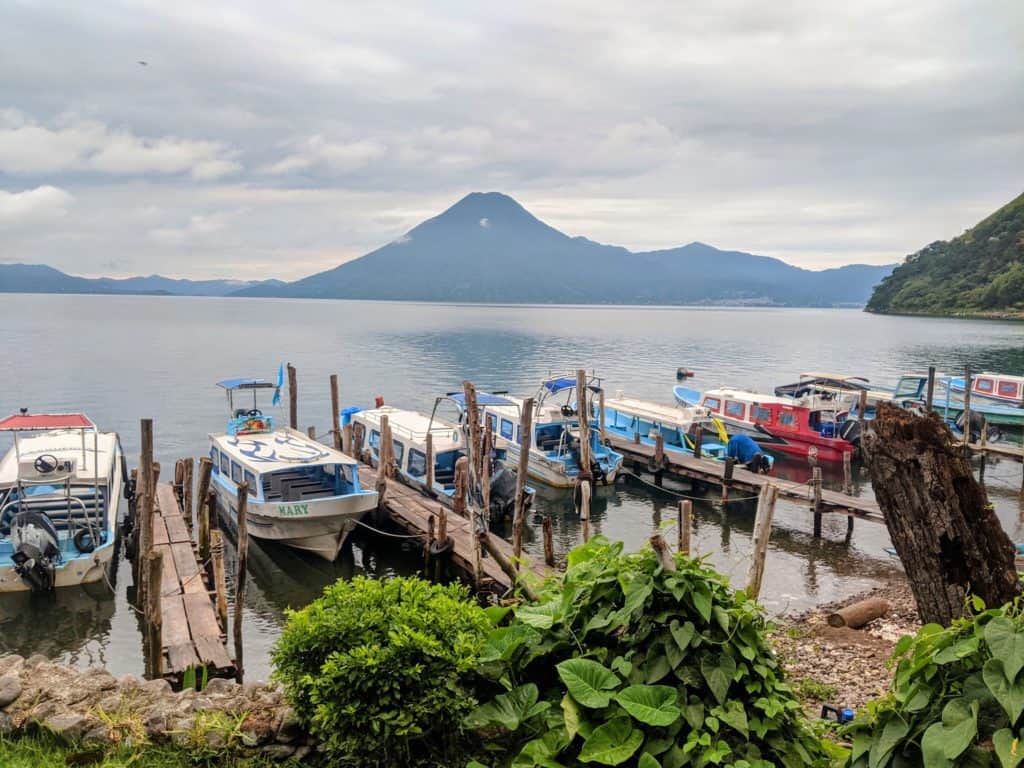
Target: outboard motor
x=36, y=550
x=849, y=431
x=503, y=494
x=978, y=424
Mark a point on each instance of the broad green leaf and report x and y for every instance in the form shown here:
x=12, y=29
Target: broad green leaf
x=571, y=716
x=1009, y=695
x=612, y=743
x=657, y=667
x=682, y=634
x=701, y=597
x=647, y=761
x=475, y=764
x=721, y=617
x=892, y=734
x=960, y=721
x=542, y=752
x=588, y=681
x=650, y=704
x=1006, y=644
x=501, y=643
x=694, y=714
x=508, y=709
x=496, y=613
x=902, y=646
x=1008, y=748
x=735, y=717
x=718, y=675
x=539, y=616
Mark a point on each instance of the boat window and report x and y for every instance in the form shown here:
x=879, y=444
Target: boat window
x=225, y=464
x=761, y=414
x=507, y=429
x=983, y=385
x=492, y=419
x=711, y=403
x=213, y=458
x=787, y=419
x=399, y=451
x=417, y=463
x=250, y=478
x=732, y=408
x=374, y=440
x=236, y=472
x=1008, y=388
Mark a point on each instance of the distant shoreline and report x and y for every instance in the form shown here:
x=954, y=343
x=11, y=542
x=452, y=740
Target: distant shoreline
x=1016, y=315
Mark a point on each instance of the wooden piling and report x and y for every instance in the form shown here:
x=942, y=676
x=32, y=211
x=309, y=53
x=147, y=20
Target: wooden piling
x=311, y=432
x=506, y=565
x=967, y=408
x=154, y=615
x=665, y=558
x=684, y=523
x=187, y=506
x=585, y=491
x=358, y=437
x=848, y=473
x=346, y=440
x=816, y=502
x=203, y=485
x=293, y=398
x=485, y=474
x=762, y=532
x=427, y=545
x=429, y=481
x=474, y=450
x=585, y=480
x=145, y=491
x=440, y=575
x=659, y=458
x=730, y=467
x=207, y=509
x=220, y=585
x=522, y=472
x=600, y=415
x=461, y=486
x=179, y=481
x=929, y=396
x=698, y=438
x=240, y=576
x=336, y=432
x=862, y=407
x=549, y=542
x=382, y=459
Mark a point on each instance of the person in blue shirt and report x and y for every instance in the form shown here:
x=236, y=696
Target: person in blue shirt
x=745, y=450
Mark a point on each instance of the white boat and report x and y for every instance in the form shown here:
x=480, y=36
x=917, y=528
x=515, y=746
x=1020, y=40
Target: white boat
x=555, y=443
x=60, y=489
x=993, y=388
x=628, y=419
x=409, y=430
x=301, y=493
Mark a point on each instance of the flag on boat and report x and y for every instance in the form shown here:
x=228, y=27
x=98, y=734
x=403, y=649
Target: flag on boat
x=280, y=383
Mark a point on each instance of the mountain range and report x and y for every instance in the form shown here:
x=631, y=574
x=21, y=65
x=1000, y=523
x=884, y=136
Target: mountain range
x=488, y=248
x=38, y=278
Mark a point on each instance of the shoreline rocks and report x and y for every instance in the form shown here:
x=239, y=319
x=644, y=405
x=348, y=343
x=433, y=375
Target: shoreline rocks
x=93, y=707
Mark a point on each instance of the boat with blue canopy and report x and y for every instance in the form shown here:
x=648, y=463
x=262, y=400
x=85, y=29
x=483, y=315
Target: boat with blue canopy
x=301, y=493
x=61, y=484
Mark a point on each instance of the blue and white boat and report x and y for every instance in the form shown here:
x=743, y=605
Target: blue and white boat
x=554, y=445
x=60, y=489
x=409, y=431
x=301, y=492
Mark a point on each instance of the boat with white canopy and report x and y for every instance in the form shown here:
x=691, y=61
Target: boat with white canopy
x=60, y=488
x=301, y=493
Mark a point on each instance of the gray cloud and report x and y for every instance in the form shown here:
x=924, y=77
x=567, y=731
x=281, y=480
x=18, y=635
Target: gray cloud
x=269, y=140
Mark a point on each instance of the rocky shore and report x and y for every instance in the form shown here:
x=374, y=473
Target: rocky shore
x=93, y=707
x=841, y=666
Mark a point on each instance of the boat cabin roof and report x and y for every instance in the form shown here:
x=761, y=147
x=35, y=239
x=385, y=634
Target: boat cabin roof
x=20, y=422
x=857, y=381
x=482, y=399
x=667, y=414
x=99, y=449
x=235, y=384
x=748, y=397
x=413, y=425
x=284, y=448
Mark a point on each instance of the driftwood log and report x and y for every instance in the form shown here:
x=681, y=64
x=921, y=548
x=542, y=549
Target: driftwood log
x=856, y=615
x=940, y=522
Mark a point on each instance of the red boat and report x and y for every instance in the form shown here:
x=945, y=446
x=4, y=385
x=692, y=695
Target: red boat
x=806, y=428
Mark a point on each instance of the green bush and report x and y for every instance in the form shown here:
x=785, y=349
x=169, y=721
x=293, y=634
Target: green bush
x=956, y=700
x=376, y=669
x=625, y=663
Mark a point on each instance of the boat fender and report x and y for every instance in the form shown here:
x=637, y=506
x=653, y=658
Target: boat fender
x=568, y=411
x=577, y=494
x=683, y=373
x=84, y=541
x=442, y=548
x=598, y=472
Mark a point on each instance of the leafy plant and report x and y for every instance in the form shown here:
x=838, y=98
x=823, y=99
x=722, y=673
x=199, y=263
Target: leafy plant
x=378, y=670
x=625, y=663
x=957, y=697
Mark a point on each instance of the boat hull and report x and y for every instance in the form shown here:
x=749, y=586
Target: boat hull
x=553, y=473
x=317, y=526
x=73, y=573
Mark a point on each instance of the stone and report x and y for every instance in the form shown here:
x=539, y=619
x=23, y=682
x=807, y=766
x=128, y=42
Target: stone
x=10, y=690
x=98, y=734
x=69, y=727
x=221, y=686
x=35, y=660
x=110, y=703
x=156, y=686
x=215, y=739
x=289, y=728
x=278, y=752
x=12, y=662
x=301, y=753
x=155, y=725
x=128, y=681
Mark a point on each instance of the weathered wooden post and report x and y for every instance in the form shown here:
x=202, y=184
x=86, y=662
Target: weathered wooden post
x=187, y=505
x=179, y=482
x=549, y=542
x=698, y=438
x=816, y=500
x=660, y=547
x=461, y=486
x=154, y=614
x=429, y=480
x=203, y=484
x=862, y=407
x=293, y=398
x=485, y=474
x=727, y=472
x=428, y=545
x=474, y=451
x=382, y=460
x=441, y=562
x=585, y=510
x=358, y=436
x=584, y=480
x=347, y=440
x=929, y=396
x=848, y=473
x=947, y=535
x=336, y=415
x=685, y=525
x=522, y=472
x=220, y=585
x=207, y=509
x=601, y=416
x=240, y=576
x=967, y=409
x=984, y=453
x=659, y=458
x=145, y=492
x=311, y=432
x=762, y=532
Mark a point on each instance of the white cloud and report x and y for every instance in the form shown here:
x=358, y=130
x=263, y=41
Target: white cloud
x=32, y=206
x=316, y=152
x=485, y=222
x=78, y=144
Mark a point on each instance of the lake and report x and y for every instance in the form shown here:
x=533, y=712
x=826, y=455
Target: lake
x=122, y=358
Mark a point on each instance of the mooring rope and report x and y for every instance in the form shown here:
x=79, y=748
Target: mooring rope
x=388, y=533
x=670, y=492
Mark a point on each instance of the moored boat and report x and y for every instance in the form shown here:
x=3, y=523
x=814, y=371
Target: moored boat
x=991, y=387
x=301, y=492
x=60, y=489
x=409, y=431
x=808, y=427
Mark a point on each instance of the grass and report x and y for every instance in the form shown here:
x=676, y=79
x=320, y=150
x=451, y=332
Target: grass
x=809, y=689
x=43, y=752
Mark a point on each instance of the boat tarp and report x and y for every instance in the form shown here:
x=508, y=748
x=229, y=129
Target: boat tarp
x=245, y=384
x=26, y=421
x=566, y=382
x=482, y=399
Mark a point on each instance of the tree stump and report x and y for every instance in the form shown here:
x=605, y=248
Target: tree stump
x=940, y=522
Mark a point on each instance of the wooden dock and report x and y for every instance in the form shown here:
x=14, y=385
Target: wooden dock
x=713, y=472
x=191, y=632
x=412, y=511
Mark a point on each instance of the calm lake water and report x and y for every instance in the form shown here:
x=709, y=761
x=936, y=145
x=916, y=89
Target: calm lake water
x=123, y=358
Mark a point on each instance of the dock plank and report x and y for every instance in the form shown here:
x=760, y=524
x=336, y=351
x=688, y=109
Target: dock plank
x=177, y=529
x=175, y=627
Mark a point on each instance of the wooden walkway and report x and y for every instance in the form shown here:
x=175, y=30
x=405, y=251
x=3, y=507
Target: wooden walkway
x=713, y=472
x=1000, y=450
x=412, y=511
x=192, y=635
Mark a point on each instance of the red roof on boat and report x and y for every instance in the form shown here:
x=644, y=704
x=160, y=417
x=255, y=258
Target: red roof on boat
x=45, y=421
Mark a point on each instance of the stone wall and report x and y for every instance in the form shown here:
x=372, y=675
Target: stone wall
x=94, y=707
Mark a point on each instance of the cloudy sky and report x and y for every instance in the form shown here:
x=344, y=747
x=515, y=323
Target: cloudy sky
x=276, y=139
